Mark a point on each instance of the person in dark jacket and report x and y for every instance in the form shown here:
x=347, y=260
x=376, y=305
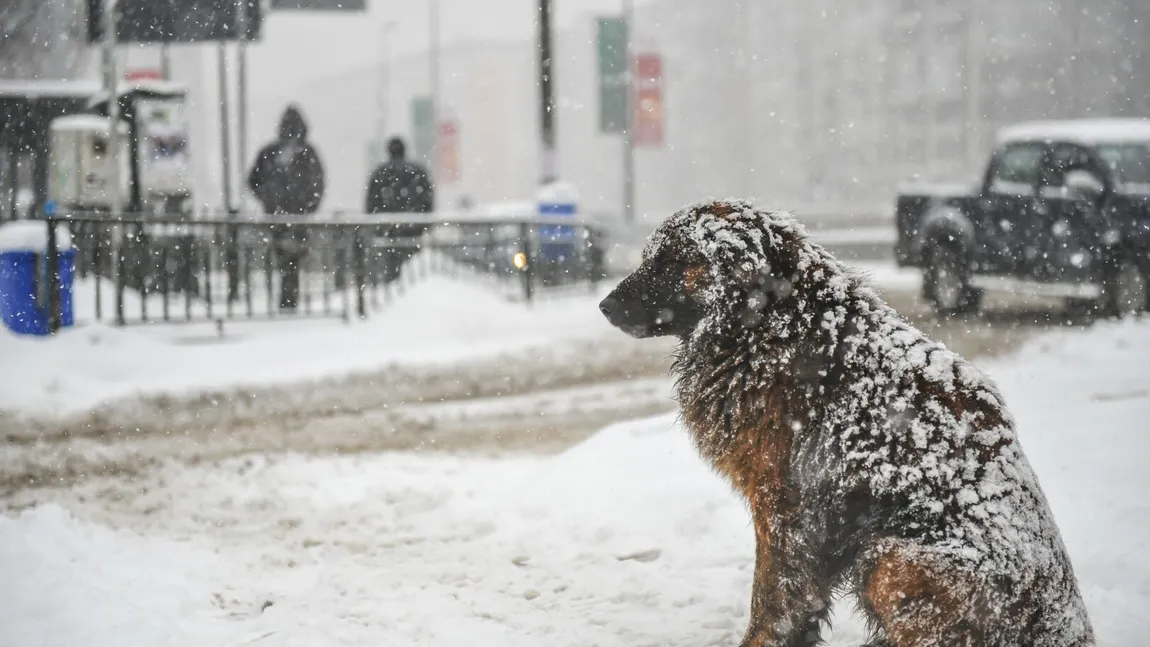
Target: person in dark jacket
x=288, y=180
x=399, y=186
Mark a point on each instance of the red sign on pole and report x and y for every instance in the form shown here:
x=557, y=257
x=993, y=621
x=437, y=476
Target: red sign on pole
x=143, y=74
x=449, y=166
x=648, y=100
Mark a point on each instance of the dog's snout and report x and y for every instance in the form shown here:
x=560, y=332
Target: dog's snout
x=608, y=306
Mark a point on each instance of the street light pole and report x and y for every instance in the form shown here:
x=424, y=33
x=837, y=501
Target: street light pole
x=546, y=94
x=242, y=92
x=629, y=115
x=384, y=95
x=115, y=203
x=111, y=81
x=225, y=126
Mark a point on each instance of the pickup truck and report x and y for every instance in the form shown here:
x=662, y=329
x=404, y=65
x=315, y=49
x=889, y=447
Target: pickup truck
x=1063, y=210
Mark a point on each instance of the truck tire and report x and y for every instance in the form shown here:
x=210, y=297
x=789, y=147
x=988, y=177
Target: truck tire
x=946, y=282
x=1079, y=307
x=1126, y=290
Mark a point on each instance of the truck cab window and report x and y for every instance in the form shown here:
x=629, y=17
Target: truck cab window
x=1064, y=158
x=1128, y=162
x=1016, y=169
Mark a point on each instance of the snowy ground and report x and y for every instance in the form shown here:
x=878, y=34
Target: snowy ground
x=625, y=539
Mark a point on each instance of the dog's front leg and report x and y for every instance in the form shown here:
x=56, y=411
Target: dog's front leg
x=788, y=605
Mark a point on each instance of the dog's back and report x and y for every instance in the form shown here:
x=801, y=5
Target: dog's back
x=963, y=548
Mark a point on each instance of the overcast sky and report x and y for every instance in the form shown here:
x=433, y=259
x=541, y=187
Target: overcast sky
x=313, y=45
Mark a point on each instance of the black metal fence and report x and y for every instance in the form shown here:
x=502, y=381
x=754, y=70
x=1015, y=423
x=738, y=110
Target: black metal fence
x=144, y=269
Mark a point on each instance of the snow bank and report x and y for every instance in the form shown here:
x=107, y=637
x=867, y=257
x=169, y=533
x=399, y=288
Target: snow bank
x=436, y=322
x=31, y=235
x=626, y=539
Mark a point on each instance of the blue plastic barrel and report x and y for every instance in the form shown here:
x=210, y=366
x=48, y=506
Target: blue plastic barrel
x=24, y=302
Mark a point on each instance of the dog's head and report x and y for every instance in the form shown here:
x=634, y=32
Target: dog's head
x=723, y=261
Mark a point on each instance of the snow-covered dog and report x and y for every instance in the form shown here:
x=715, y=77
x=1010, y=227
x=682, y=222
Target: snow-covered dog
x=875, y=461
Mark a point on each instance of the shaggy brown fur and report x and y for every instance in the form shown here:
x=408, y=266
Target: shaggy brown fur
x=875, y=461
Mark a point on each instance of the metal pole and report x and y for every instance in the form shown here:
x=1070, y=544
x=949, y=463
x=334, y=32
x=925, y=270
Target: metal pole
x=928, y=26
x=115, y=200
x=165, y=62
x=546, y=94
x=384, y=98
x=225, y=131
x=111, y=78
x=242, y=99
x=973, y=69
x=629, y=118
x=231, y=256
x=433, y=81
x=529, y=261
x=52, y=276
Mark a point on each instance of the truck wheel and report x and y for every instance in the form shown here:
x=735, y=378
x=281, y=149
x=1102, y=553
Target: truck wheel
x=1126, y=291
x=1078, y=307
x=947, y=283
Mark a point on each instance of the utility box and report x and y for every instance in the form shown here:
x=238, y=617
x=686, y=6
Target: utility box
x=81, y=163
x=165, y=160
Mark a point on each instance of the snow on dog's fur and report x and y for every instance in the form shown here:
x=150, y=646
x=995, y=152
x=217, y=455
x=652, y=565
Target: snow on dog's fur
x=875, y=461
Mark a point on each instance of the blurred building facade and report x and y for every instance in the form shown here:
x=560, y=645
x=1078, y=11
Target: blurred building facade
x=824, y=104
x=805, y=104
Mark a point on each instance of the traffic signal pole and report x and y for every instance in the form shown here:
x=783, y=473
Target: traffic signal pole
x=546, y=95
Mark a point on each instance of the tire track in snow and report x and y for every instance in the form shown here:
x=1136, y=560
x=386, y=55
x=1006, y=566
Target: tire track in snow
x=536, y=400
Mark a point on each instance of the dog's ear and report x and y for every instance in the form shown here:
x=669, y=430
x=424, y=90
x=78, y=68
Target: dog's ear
x=764, y=289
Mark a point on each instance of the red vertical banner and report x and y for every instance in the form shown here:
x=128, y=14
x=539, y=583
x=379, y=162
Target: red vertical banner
x=649, y=100
x=448, y=146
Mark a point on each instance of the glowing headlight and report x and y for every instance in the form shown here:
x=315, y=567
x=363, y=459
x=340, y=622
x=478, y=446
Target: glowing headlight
x=519, y=260
x=1111, y=237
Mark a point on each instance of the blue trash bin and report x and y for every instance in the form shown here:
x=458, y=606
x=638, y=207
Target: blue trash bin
x=24, y=303
x=557, y=242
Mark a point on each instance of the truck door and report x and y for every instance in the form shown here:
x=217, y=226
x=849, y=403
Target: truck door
x=1006, y=207
x=1067, y=224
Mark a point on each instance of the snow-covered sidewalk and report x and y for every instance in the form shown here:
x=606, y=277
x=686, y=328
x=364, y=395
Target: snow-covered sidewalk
x=439, y=321
x=626, y=539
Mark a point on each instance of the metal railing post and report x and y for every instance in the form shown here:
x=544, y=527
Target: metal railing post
x=360, y=262
x=121, y=236
x=529, y=264
x=233, y=264
x=52, y=259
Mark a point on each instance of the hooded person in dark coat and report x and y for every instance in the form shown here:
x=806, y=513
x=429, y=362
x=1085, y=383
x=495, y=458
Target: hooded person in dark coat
x=399, y=186
x=287, y=176
x=288, y=179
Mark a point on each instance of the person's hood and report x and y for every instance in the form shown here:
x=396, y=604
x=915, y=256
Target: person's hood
x=292, y=124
